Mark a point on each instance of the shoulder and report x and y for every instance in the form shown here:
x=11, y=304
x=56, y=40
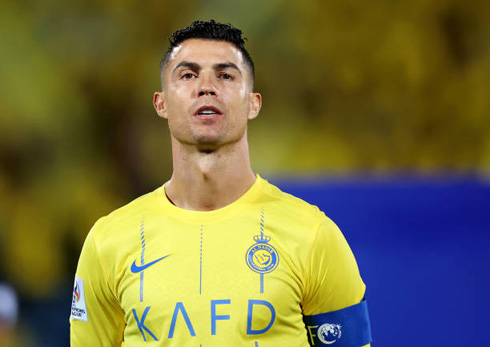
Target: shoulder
x=122, y=225
x=135, y=208
x=310, y=223
x=292, y=207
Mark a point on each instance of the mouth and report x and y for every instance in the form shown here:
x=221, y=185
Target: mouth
x=207, y=112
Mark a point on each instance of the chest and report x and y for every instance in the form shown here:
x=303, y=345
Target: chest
x=207, y=281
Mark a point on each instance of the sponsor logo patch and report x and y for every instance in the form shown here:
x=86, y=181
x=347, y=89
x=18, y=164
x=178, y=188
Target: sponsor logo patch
x=78, y=306
x=135, y=268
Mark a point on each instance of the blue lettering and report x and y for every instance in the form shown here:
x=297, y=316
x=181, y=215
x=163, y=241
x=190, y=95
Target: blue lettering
x=251, y=304
x=214, y=316
x=141, y=324
x=180, y=307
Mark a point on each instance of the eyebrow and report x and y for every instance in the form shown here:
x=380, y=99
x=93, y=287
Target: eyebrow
x=222, y=66
x=196, y=66
x=187, y=64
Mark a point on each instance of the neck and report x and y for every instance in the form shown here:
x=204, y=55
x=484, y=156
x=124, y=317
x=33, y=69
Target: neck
x=209, y=180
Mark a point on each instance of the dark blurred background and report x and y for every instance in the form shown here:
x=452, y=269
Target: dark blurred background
x=377, y=112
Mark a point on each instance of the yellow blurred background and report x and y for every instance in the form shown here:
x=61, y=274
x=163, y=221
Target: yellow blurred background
x=379, y=88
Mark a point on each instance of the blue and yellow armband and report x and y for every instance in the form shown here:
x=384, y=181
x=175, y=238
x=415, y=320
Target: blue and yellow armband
x=348, y=327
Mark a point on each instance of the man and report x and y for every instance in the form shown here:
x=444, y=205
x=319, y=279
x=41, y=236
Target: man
x=217, y=256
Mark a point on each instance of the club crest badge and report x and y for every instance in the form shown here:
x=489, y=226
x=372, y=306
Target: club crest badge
x=262, y=257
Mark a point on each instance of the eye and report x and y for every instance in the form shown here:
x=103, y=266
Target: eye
x=188, y=76
x=225, y=76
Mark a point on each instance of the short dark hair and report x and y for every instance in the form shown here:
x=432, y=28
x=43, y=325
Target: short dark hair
x=209, y=30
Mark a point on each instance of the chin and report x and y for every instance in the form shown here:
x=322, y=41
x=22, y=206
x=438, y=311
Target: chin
x=211, y=140
x=206, y=144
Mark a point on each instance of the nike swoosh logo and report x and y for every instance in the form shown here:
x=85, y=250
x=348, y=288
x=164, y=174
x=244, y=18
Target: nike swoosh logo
x=135, y=268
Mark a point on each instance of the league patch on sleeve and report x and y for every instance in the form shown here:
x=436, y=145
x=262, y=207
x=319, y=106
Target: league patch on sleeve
x=78, y=306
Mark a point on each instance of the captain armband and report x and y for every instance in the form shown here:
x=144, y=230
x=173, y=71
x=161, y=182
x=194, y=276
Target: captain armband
x=348, y=327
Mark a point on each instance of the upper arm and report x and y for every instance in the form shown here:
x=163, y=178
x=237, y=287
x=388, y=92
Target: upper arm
x=332, y=278
x=334, y=290
x=102, y=323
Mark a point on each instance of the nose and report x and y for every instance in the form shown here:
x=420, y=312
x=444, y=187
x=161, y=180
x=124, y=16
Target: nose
x=203, y=92
x=206, y=86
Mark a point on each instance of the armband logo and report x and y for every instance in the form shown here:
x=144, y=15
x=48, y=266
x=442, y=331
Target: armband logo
x=348, y=326
x=329, y=333
x=78, y=306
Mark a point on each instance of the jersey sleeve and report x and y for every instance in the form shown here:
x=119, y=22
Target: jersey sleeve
x=97, y=318
x=332, y=278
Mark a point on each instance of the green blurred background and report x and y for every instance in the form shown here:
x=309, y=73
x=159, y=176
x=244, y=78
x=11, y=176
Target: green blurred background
x=379, y=88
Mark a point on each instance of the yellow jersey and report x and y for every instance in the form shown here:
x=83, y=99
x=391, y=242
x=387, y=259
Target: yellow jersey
x=242, y=275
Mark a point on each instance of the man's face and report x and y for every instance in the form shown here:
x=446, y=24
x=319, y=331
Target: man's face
x=207, y=94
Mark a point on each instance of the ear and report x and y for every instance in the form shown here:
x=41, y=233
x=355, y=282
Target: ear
x=255, y=105
x=159, y=104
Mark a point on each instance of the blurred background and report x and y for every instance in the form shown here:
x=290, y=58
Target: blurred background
x=379, y=113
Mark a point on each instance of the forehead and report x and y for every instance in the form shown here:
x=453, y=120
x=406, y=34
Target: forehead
x=206, y=52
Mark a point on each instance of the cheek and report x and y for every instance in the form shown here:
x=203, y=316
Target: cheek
x=240, y=100
x=177, y=101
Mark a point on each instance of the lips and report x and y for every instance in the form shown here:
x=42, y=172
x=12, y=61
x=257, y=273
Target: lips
x=207, y=111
